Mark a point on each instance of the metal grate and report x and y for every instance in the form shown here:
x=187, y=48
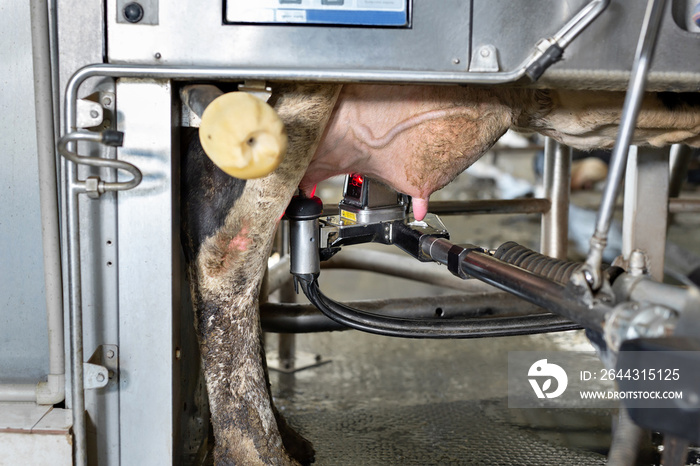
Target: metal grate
x=461, y=432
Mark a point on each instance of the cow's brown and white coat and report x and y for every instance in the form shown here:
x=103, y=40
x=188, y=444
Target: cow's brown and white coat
x=417, y=139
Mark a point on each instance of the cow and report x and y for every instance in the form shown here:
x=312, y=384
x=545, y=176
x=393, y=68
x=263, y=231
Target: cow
x=414, y=138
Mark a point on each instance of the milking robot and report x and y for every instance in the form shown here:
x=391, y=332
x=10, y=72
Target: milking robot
x=99, y=363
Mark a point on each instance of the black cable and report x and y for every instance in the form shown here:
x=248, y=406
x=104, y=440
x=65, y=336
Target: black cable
x=431, y=328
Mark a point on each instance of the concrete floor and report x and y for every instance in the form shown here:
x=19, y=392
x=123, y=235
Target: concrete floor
x=391, y=401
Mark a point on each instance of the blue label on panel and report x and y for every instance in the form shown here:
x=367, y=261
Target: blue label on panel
x=357, y=17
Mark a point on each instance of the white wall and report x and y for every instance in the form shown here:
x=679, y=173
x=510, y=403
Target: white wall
x=23, y=333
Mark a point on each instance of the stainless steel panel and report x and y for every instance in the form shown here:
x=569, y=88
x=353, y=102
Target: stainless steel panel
x=23, y=329
x=438, y=40
x=513, y=27
x=148, y=271
x=602, y=55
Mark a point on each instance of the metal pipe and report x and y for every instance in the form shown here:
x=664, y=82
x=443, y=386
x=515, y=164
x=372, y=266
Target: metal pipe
x=87, y=136
x=630, y=110
x=403, y=267
x=477, y=207
x=430, y=328
x=491, y=206
x=55, y=75
x=306, y=318
x=76, y=316
x=520, y=282
x=53, y=390
x=72, y=215
x=197, y=97
x=277, y=275
x=554, y=236
x=679, y=159
x=679, y=205
x=580, y=21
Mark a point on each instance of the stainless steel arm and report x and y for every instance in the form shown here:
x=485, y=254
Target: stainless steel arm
x=633, y=102
x=579, y=22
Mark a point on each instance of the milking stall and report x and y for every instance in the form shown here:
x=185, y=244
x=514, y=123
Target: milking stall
x=218, y=245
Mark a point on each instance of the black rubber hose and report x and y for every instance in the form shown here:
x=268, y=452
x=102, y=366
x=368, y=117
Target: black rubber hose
x=431, y=328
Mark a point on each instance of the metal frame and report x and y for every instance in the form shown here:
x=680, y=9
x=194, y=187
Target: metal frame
x=439, y=39
x=74, y=187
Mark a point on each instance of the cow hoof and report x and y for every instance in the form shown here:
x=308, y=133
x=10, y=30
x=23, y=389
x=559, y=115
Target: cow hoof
x=243, y=135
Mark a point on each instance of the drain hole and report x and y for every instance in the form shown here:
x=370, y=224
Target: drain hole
x=438, y=312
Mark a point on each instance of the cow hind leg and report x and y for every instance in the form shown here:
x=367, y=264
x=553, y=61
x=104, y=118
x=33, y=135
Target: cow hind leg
x=227, y=230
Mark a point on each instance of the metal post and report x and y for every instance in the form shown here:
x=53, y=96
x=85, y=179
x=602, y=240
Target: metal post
x=286, y=342
x=679, y=159
x=630, y=110
x=556, y=182
x=646, y=207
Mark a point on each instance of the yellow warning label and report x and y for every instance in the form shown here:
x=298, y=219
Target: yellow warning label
x=348, y=215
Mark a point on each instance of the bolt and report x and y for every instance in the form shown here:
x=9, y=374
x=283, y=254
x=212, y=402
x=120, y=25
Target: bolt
x=106, y=101
x=107, y=123
x=100, y=377
x=94, y=114
x=637, y=264
x=110, y=354
x=157, y=55
x=456, y=61
x=485, y=52
x=178, y=353
x=133, y=12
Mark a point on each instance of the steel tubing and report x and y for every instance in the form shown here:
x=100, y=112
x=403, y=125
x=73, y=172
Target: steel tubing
x=579, y=22
x=533, y=288
x=680, y=205
x=630, y=110
x=555, y=221
x=477, y=207
x=306, y=318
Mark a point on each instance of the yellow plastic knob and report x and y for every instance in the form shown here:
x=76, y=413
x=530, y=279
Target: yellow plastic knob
x=243, y=135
